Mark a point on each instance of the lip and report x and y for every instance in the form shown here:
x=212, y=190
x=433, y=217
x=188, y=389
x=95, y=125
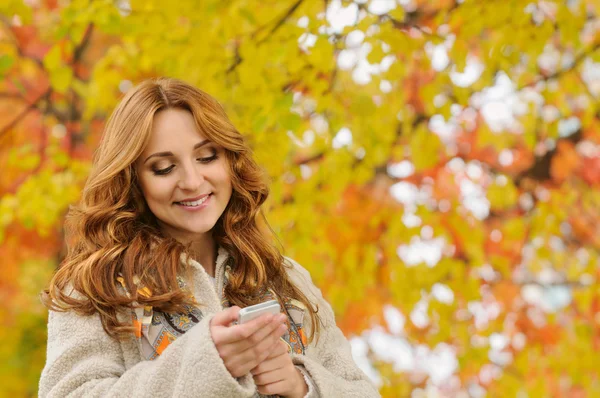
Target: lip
x=193, y=199
x=195, y=208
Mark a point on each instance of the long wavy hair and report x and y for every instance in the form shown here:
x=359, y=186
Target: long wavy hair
x=112, y=232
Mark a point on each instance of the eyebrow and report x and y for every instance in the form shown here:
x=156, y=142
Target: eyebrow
x=164, y=154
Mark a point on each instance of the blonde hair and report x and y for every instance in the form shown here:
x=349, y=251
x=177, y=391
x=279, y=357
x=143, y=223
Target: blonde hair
x=112, y=231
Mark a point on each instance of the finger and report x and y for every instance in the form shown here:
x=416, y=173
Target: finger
x=224, y=318
x=276, y=388
x=269, y=329
x=239, y=333
x=263, y=320
x=262, y=345
x=270, y=364
x=247, y=335
x=256, y=352
x=280, y=348
x=269, y=377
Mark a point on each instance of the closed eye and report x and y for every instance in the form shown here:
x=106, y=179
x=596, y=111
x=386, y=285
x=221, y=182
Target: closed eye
x=208, y=159
x=162, y=172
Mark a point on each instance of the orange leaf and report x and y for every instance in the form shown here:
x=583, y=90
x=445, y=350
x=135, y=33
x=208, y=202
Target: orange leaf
x=565, y=162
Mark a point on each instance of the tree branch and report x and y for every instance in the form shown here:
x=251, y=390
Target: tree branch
x=279, y=22
x=578, y=59
x=236, y=60
x=284, y=18
x=11, y=95
x=73, y=112
x=15, y=42
x=412, y=19
x=24, y=112
x=82, y=46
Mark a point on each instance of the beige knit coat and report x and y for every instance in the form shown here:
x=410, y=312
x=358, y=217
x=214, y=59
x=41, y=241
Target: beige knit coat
x=83, y=361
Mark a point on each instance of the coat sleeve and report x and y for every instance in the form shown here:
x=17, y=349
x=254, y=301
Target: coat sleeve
x=82, y=360
x=328, y=360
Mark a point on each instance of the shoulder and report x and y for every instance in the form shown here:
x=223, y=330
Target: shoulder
x=73, y=310
x=297, y=273
x=301, y=278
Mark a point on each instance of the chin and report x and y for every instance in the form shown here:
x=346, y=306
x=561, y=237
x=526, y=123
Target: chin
x=187, y=230
x=194, y=230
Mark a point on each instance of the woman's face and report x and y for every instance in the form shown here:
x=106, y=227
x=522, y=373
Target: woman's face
x=183, y=176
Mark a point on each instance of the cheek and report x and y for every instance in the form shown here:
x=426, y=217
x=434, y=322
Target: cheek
x=225, y=180
x=156, y=190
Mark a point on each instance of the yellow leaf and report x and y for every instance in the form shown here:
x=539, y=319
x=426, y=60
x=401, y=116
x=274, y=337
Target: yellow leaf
x=61, y=79
x=425, y=148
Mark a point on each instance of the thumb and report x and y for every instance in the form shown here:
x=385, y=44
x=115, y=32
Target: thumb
x=225, y=317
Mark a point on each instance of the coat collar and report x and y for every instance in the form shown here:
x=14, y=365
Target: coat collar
x=202, y=285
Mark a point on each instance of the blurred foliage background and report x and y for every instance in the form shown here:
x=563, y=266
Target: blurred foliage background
x=435, y=164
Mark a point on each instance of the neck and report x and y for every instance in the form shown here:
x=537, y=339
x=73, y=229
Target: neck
x=205, y=252
x=203, y=248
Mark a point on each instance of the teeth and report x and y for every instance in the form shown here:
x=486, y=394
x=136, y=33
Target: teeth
x=195, y=203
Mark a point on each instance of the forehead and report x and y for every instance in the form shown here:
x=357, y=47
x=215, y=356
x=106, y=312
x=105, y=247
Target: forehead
x=173, y=128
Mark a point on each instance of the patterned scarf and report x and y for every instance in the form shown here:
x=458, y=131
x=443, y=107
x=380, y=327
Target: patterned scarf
x=155, y=330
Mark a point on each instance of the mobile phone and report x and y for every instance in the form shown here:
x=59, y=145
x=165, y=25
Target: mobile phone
x=254, y=311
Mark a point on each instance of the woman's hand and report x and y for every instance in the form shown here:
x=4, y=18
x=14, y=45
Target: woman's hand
x=243, y=347
x=277, y=375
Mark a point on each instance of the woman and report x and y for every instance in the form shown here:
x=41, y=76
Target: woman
x=164, y=248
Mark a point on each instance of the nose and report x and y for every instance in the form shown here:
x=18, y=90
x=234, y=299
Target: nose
x=190, y=178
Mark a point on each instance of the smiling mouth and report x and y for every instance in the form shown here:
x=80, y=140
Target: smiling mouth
x=194, y=203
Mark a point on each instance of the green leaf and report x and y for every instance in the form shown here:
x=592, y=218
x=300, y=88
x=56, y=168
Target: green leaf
x=6, y=62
